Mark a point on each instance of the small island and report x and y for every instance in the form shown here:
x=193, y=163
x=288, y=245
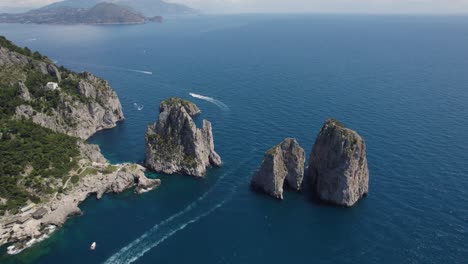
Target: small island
x=337, y=172
x=174, y=144
x=282, y=164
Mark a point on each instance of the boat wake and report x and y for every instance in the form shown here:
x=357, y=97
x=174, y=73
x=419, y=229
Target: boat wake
x=128, y=70
x=144, y=72
x=139, y=107
x=218, y=103
x=221, y=192
x=113, y=68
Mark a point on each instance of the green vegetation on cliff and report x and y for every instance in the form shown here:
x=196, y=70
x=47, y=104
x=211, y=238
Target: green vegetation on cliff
x=33, y=158
x=9, y=100
x=4, y=42
x=174, y=101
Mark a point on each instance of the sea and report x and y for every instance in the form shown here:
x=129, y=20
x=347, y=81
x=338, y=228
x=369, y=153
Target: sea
x=400, y=81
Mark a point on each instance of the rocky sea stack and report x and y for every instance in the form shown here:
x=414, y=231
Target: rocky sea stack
x=338, y=171
x=175, y=145
x=284, y=163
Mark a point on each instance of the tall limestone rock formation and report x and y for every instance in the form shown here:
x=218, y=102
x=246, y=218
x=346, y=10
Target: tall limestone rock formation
x=338, y=171
x=282, y=164
x=175, y=145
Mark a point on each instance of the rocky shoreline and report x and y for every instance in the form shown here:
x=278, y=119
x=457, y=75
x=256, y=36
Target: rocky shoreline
x=35, y=223
x=82, y=104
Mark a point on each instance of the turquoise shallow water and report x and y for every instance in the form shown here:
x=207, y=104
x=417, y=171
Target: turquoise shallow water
x=400, y=81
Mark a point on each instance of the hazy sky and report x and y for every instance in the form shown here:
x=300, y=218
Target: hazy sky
x=283, y=6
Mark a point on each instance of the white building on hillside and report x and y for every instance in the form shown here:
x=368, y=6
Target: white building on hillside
x=53, y=86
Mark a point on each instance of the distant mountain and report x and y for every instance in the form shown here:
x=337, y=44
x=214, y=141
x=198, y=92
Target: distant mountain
x=9, y=9
x=104, y=13
x=72, y=4
x=148, y=8
x=101, y=13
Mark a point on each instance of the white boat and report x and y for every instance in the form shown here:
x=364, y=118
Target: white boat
x=93, y=246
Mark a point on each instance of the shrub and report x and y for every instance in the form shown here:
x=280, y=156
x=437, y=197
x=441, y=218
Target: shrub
x=74, y=179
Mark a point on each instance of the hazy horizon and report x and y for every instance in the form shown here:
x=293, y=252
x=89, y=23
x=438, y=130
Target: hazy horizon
x=293, y=6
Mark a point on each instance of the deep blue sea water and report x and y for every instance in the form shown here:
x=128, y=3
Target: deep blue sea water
x=400, y=81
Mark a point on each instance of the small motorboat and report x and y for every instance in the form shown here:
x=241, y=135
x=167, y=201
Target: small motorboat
x=93, y=246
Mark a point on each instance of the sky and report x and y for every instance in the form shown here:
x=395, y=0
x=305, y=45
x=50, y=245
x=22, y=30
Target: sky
x=294, y=6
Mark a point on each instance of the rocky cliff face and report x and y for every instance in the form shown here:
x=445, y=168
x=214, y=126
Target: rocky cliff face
x=175, y=145
x=83, y=104
x=77, y=104
x=35, y=224
x=100, y=109
x=338, y=170
x=282, y=164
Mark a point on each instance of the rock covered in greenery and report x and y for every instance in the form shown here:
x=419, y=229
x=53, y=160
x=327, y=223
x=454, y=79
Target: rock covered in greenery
x=45, y=171
x=83, y=104
x=23, y=230
x=338, y=169
x=175, y=145
x=33, y=162
x=97, y=107
x=282, y=164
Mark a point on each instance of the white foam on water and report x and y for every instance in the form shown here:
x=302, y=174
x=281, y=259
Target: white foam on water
x=172, y=232
x=13, y=250
x=115, y=68
x=139, y=107
x=218, y=103
x=144, y=72
x=170, y=226
x=137, y=248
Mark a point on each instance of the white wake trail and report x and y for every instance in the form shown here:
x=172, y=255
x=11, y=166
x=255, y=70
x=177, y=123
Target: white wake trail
x=138, y=71
x=147, y=248
x=139, y=107
x=218, y=103
x=144, y=243
x=170, y=226
x=107, y=67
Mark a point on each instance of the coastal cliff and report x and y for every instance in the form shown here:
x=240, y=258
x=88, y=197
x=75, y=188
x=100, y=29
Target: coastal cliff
x=46, y=169
x=94, y=175
x=338, y=171
x=80, y=105
x=282, y=164
x=175, y=145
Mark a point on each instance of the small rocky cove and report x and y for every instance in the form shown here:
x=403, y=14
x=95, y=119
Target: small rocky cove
x=35, y=223
x=337, y=173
